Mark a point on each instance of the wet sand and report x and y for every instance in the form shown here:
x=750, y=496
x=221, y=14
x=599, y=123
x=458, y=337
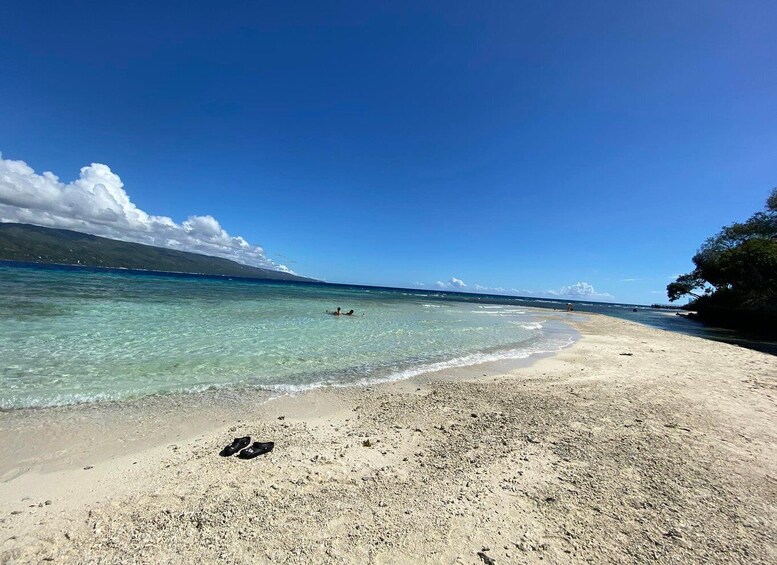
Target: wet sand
x=633, y=445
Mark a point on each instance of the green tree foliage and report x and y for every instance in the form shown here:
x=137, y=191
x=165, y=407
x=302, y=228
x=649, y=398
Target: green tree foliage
x=737, y=268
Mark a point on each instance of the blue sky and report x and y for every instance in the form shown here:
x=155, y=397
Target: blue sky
x=515, y=145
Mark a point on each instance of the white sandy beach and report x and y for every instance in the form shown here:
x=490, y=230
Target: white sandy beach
x=632, y=446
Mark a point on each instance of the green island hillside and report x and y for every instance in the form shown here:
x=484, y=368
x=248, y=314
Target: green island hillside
x=36, y=244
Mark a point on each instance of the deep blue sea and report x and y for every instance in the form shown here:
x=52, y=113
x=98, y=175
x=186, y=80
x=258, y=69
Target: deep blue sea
x=74, y=335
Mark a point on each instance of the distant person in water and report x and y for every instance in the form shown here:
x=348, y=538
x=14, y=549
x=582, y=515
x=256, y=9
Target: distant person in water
x=335, y=313
x=349, y=313
x=569, y=307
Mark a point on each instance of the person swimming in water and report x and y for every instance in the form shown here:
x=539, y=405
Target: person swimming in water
x=339, y=313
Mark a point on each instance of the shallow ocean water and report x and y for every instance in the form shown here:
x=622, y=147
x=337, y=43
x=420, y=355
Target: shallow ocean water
x=72, y=336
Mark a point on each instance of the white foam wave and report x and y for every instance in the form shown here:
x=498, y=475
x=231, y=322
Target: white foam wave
x=528, y=325
x=69, y=399
x=12, y=403
x=499, y=312
x=465, y=361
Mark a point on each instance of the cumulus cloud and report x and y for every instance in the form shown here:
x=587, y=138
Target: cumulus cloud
x=453, y=284
x=496, y=290
x=97, y=203
x=580, y=291
x=577, y=291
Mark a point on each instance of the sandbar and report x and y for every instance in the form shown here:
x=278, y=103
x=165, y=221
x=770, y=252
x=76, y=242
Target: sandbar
x=633, y=445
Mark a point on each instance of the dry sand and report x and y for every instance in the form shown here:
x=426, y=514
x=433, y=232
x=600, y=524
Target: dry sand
x=633, y=445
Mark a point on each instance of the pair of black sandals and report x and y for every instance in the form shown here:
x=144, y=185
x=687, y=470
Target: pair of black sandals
x=241, y=444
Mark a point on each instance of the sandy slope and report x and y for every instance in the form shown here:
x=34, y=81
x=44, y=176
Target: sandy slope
x=666, y=454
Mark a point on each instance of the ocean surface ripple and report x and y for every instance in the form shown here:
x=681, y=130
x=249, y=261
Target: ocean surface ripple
x=71, y=336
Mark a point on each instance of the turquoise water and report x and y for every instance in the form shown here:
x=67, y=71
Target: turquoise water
x=71, y=336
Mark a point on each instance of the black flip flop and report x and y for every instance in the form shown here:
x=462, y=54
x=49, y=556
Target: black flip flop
x=235, y=446
x=258, y=448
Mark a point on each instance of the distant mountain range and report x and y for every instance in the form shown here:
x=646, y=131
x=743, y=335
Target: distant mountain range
x=36, y=244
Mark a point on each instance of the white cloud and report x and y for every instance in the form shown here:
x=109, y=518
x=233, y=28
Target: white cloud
x=453, y=284
x=628, y=280
x=496, y=290
x=579, y=291
x=97, y=203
